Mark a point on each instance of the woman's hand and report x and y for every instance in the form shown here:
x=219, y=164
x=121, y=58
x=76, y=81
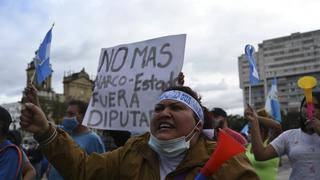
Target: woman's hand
x=315, y=124
x=250, y=114
x=32, y=95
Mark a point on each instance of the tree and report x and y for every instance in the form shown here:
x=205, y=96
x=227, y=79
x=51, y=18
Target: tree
x=236, y=122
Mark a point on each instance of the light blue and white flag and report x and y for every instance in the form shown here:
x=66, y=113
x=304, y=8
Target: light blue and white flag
x=272, y=105
x=245, y=130
x=42, y=59
x=253, y=74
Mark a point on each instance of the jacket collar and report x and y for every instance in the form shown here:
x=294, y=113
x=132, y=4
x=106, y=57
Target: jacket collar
x=196, y=156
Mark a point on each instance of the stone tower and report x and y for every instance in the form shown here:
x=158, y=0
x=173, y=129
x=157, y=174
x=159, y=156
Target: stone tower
x=77, y=86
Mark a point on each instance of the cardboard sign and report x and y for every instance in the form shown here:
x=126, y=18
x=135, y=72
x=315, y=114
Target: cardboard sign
x=130, y=78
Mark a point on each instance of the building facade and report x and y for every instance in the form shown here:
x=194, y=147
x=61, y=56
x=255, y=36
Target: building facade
x=287, y=58
x=78, y=86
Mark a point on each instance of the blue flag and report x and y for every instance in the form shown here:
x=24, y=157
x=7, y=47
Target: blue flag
x=245, y=130
x=42, y=59
x=253, y=74
x=272, y=105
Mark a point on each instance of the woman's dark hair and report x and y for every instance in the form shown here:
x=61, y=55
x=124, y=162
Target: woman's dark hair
x=189, y=91
x=316, y=95
x=5, y=121
x=208, y=124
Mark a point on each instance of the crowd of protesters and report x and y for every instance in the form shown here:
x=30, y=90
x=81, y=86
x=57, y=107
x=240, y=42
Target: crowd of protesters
x=183, y=135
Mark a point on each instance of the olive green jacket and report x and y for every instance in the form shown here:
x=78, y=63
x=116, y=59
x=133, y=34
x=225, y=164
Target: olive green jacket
x=135, y=160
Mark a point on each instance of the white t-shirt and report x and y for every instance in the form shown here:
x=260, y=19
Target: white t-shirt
x=303, y=151
x=167, y=165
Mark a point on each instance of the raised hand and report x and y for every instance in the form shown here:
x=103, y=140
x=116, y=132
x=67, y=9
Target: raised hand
x=32, y=95
x=250, y=114
x=33, y=119
x=181, y=79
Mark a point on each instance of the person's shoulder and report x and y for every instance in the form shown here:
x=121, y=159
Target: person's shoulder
x=290, y=132
x=9, y=151
x=138, y=140
x=90, y=135
x=93, y=134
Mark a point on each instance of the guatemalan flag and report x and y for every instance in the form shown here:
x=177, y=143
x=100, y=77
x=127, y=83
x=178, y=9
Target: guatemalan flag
x=272, y=105
x=42, y=59
x=245, y=130
x=253, y=76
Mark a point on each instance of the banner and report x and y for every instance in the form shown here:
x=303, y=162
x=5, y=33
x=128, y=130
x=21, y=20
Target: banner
x=130, y=79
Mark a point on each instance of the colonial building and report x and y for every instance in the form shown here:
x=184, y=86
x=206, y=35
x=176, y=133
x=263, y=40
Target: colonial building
x=44, y=90
x=77, y=86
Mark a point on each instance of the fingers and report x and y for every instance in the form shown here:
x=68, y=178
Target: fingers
x=31, y=90
x=24, y=124
x=248, y=112
x=26, y=115
x=28, y=110
x=181, y=78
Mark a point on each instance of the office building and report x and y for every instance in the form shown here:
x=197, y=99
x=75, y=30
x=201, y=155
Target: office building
x=287, y=58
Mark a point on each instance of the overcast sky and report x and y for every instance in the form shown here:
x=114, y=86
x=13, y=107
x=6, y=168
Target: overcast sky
x=217, y=32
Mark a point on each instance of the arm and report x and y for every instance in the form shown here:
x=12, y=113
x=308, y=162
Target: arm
x=260, y=152
x=28, y=171
x=72, y=162
x=271, y=124
x=64, y=154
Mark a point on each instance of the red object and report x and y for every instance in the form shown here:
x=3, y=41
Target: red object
x=227, y=147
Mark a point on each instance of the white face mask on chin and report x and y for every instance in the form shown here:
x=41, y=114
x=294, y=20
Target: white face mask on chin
x=172, y=147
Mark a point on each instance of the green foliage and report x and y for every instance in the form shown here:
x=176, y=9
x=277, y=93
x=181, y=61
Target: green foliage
x=54, y=110
x=289, y=121
x=236, y=122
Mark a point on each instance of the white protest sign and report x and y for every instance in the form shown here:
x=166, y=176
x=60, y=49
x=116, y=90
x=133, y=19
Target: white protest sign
x=130, y=79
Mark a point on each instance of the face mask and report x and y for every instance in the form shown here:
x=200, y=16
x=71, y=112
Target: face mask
x=70, y=124
x=172, y=147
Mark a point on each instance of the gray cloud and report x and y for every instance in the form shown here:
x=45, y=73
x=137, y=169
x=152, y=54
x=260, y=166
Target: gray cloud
x=217, y=32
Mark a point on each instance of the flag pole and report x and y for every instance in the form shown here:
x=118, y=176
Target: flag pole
x=249, y=94
x=33, y=77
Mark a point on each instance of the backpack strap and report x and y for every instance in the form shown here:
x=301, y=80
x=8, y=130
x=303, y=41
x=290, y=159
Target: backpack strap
x=19, y=157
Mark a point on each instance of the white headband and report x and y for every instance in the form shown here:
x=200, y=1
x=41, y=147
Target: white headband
x=185, y=99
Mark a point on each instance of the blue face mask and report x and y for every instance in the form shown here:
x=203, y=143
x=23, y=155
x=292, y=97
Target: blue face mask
x=70, y=124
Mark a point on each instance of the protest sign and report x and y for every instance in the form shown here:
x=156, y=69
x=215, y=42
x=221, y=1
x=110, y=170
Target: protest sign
x=129, y=80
